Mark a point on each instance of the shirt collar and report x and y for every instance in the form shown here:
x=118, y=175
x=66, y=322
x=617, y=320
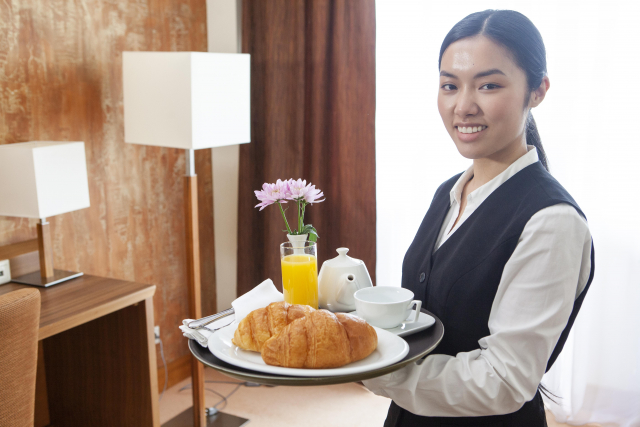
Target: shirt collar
x=483, y=192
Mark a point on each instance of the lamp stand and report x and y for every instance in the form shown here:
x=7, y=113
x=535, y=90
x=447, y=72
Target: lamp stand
x=47, y=275
x=196, y=415
x=45, y=249
x=193, y=272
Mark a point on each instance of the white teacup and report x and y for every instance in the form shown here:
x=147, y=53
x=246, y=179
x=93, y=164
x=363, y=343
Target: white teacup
x=386, y=306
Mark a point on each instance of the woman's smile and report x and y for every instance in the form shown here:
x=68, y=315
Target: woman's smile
x=470, y=133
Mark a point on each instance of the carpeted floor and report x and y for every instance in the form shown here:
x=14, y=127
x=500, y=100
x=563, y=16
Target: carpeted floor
x=348, y=405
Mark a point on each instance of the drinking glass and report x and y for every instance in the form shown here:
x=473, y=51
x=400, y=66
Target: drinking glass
x=300, y=272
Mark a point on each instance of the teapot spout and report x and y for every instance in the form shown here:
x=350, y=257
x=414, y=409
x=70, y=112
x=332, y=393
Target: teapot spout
x=348, y=286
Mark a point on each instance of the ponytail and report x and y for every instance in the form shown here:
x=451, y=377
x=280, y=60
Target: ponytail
x=533, y=138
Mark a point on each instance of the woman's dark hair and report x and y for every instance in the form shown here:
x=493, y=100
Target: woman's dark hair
x=521, y=38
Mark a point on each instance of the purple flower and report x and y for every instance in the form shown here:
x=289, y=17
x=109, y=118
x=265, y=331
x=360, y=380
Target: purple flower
x=299, y=190
x=272, y=193
x=313, y=195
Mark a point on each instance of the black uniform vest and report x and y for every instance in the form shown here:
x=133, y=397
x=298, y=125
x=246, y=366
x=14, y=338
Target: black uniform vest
x=458, y=282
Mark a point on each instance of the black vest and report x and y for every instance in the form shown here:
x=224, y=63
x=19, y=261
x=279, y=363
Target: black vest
x=458, y=282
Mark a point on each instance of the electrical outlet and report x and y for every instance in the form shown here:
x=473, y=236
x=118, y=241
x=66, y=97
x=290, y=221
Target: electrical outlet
x=5, y=272
x=156, y=333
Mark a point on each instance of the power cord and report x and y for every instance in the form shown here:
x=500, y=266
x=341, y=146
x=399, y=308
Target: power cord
x=166, y=371
x=213, y=410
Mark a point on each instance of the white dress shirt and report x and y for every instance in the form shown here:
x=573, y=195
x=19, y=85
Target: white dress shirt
x=547, y=271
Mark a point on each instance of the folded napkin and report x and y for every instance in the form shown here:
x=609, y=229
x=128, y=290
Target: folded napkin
x=260, y=296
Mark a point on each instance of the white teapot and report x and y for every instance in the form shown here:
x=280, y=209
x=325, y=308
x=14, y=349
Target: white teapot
x=339, y=279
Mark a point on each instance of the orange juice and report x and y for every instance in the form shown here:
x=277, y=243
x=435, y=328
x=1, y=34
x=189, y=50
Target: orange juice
x=300, y=279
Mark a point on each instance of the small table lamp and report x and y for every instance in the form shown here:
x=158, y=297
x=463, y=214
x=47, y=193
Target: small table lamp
x=188, y=100
x=40, y=179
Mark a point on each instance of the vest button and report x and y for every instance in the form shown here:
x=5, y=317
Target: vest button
x=422, y=277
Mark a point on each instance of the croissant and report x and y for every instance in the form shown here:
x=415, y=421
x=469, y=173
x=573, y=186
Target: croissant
x=261, y=324
x=320, y=340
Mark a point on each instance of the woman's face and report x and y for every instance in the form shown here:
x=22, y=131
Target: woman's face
x=483, y=91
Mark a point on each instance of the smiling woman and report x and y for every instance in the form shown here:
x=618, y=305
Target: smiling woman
x=597, y=375
x=504, y=255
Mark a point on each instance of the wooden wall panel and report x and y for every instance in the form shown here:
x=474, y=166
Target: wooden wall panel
x=61, y=79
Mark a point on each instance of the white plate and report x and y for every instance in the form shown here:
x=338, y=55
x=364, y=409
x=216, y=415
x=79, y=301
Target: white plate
x=391, y=349
x=424, y=321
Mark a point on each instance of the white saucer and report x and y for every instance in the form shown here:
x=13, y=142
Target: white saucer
x=424, y=321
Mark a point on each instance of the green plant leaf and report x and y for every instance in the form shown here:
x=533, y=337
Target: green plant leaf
x=307, y=228
x=311, y=230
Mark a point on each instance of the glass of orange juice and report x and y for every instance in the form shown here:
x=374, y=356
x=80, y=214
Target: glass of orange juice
x=300, y=272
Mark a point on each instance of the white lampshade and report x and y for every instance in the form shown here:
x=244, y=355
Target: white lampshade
x=40, y=179
x=188, y=100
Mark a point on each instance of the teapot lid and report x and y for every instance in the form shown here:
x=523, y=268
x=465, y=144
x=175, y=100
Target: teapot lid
x=343, y=260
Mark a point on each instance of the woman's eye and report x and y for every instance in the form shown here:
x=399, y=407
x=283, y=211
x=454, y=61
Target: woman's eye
x=448, y=87
x=490, y=86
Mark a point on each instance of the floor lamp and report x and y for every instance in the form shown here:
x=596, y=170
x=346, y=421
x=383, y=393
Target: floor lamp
x=41, y=179
x=190, y=101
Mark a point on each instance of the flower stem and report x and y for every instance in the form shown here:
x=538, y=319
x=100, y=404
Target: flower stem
x=304, y=205
x=284, y=217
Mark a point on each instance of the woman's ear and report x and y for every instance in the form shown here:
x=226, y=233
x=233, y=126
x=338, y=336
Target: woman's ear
x=538, y=95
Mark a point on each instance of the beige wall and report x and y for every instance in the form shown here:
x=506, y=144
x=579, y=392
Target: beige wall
x=224, y=31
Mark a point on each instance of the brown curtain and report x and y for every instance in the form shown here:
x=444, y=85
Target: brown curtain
x=312, y=117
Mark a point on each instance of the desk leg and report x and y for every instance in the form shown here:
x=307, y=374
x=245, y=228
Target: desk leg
x=42, y=400
x=103, y=373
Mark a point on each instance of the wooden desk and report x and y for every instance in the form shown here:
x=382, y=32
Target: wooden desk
x=97, y=353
